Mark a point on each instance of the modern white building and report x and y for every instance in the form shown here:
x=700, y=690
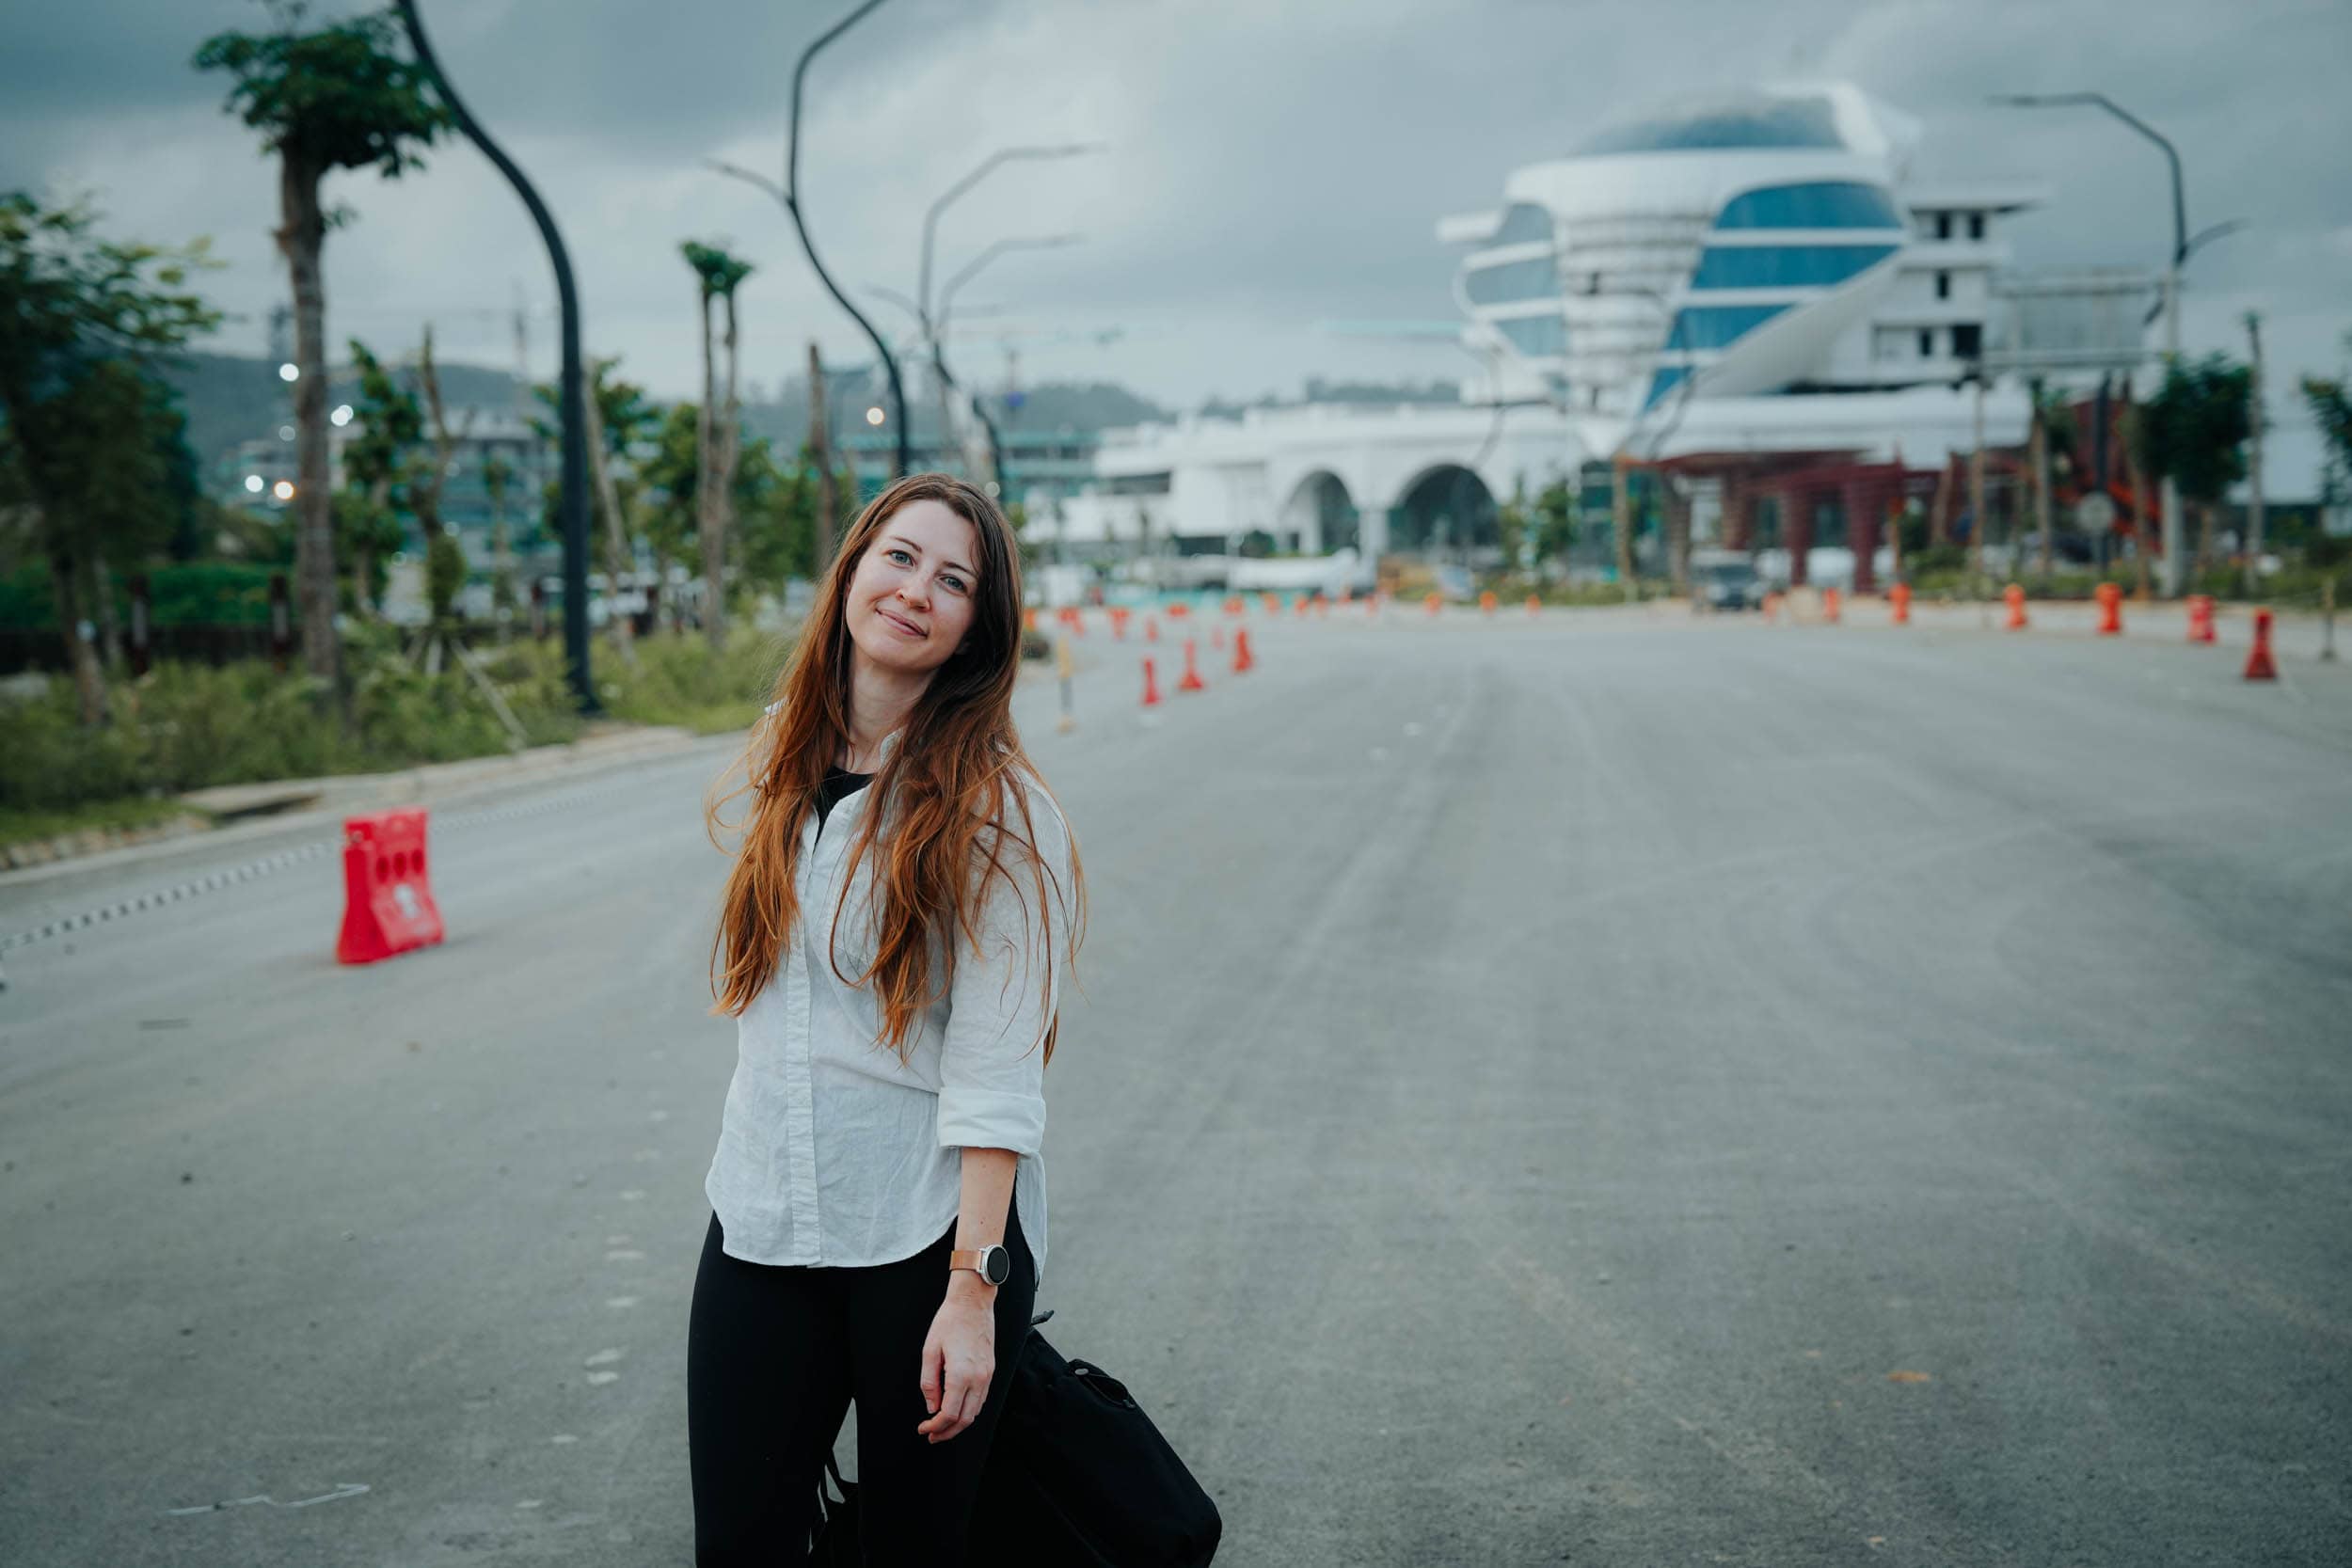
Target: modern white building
x=1730, y=288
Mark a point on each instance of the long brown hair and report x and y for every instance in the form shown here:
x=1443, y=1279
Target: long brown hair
x=956, y=779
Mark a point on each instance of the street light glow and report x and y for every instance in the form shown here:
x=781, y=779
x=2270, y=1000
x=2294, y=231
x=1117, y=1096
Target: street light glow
x=341, y=415
x=288, y=371
x=874, y=415
x=253, y=485
x=283, y=489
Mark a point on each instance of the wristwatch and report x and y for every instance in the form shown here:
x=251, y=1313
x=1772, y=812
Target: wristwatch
x=991, y=1263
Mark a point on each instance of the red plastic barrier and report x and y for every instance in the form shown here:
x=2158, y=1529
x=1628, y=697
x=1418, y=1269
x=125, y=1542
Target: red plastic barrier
x=2260, y=666
x=388, y=887
x=2110, y=597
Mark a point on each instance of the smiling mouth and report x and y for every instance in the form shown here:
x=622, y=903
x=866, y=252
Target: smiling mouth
x=911, y=629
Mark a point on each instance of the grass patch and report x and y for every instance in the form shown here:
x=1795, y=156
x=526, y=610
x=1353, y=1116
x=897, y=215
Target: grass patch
x=189, y=726
x=23, y=826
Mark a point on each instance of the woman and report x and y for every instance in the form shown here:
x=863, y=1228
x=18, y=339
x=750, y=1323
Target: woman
x=903, y=887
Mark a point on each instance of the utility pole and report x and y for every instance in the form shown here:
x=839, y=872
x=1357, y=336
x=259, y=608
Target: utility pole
x=1975, y=488
x=2253, y=542
x=2042, y=477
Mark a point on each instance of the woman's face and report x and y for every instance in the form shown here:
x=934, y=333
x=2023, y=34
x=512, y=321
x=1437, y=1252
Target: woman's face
x=911, y=596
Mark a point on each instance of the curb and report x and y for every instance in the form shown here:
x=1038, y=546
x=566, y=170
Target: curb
x=327, y=800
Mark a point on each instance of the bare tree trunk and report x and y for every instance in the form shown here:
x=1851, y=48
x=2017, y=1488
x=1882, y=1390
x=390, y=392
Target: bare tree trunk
x=2204, y=535
x=301, y=235
x=89, y=681
x=1677, y=510
x=1940, y=513
x=821, y=448
x=2142, y=541
x=723, y=510
x=102, y=610
x=706, y=484
x=615, y=527
x=1621, y=521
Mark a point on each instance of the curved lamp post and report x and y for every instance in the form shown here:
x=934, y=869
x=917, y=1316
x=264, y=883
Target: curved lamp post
x=788, y=193
x=571, y=507
x=2182, y=246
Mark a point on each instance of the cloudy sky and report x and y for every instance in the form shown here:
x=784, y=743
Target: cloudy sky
x=1270, y=167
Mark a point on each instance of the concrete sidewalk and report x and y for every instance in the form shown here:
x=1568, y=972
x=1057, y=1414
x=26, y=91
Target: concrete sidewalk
x=232, y=813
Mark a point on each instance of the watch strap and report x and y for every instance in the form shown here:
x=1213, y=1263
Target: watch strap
x=976, y=1260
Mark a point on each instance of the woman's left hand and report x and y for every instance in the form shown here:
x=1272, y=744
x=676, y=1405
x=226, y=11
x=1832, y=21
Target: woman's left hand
x=958, y=1359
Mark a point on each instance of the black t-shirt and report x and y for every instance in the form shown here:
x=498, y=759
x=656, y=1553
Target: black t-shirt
x=839, y=781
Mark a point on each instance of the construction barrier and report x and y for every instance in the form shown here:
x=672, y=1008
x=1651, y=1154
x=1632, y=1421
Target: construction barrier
x=2015, y=597
x=2110, y=597
x=2201, y=618
x=1192, y=681
x=2259, y=665
x=388, y=887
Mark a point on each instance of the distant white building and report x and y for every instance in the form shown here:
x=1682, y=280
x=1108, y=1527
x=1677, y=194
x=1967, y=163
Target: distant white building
x=1728, y=287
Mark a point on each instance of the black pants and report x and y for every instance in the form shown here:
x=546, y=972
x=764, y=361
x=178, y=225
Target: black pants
x=774, y=1356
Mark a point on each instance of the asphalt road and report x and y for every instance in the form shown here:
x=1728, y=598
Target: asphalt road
x=1603, y=1088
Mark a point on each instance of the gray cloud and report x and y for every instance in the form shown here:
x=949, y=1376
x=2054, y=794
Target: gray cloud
x=1270, y=165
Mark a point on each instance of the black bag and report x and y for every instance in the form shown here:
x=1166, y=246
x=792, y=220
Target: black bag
x=835, y=1542
x=1079, y=1476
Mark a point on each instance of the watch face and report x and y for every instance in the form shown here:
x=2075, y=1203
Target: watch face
x=997, y=1265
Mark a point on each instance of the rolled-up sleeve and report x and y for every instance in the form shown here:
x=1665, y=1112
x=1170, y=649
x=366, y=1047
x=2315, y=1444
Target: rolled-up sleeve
x=1001, y=1002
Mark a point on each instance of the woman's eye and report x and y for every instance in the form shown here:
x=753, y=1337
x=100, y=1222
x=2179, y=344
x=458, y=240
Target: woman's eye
x=953, y=581
x=895, y=554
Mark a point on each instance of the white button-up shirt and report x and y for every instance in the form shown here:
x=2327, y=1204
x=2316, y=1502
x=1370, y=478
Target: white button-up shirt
x=830, y=1151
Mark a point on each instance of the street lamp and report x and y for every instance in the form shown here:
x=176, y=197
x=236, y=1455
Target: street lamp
x=789, y=195
x=572, y=489
x=930, y=218
x=938, y=327
x=2181, y=247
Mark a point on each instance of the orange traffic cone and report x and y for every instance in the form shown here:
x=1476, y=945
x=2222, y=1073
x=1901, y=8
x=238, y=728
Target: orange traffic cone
x=2201, y=618
x=1150, y=685
x=1273, y=605
x=1151, y=629
x=1192, y=681
x=1486, y=602
x=1831, y=599
x=1900, y=596
x=2110, y=596
x=1534, y=604
x=2015, y=597
x=2259, y=666
x=1432, y=602
x=1242, y=664
x=1118, y=622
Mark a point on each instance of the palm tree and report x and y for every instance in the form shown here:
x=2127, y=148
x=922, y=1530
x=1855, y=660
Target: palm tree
x=719, y=435
x=336, y=97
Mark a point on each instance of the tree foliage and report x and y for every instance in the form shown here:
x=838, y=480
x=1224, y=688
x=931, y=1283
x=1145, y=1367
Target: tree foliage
x=2194, y=430
x=93, y=459
x=344, y=96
